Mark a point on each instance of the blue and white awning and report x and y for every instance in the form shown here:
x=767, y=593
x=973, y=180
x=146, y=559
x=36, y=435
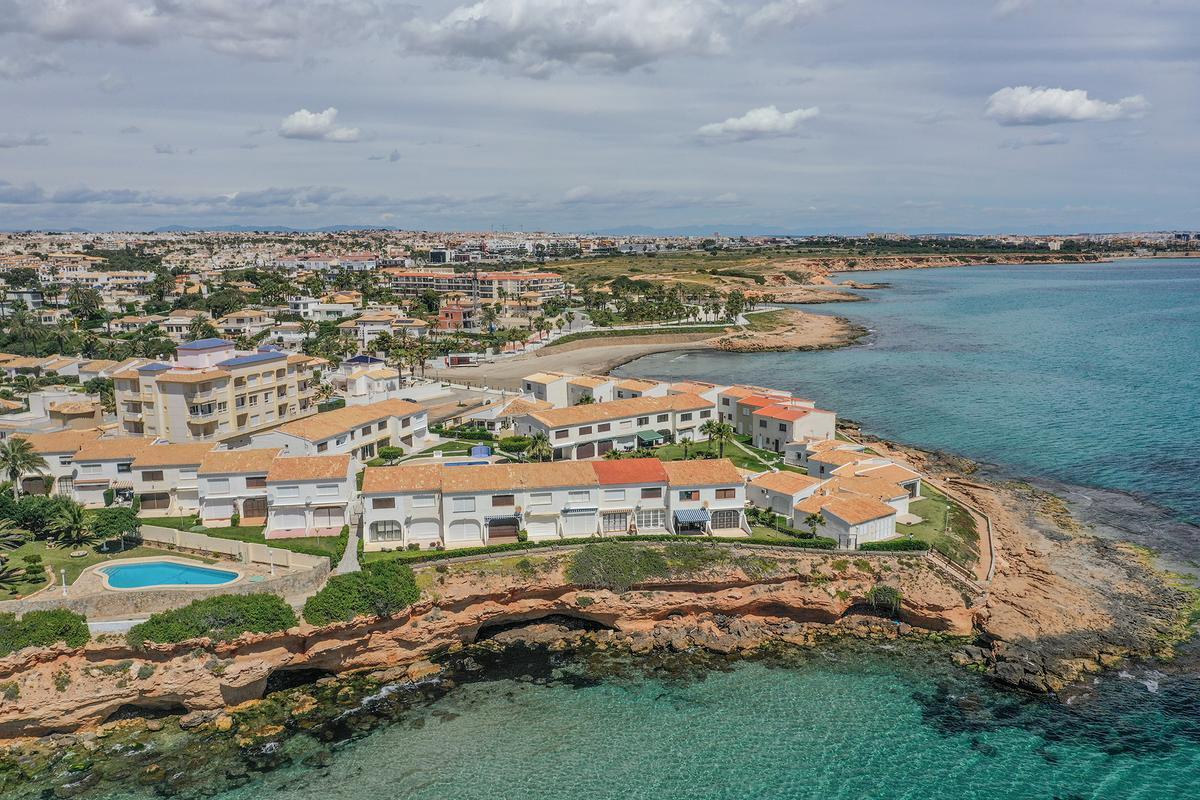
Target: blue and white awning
x=691, y=515
x=510, y=518
x=580, y=509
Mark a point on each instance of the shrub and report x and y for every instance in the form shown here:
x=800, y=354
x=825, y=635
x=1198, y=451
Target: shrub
x=515, y=444
x=522, y=535
x=390, y=453
x=885, y=598
x=895, y=544
x=10, y=689
x=616, y=566
x=32, y=560
x=583, y=601
x=114, y=523
x=42, y=629
x=380, y=589
x=220, y=618
x=691, y=557
x=235, y=519
x=110, y=495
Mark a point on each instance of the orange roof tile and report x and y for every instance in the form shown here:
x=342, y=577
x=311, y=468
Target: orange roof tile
x=630, y=470
x=331, y=423
x=173, y=455
x=114, y=448
x=851, y=510
x=416, y=478
x=61, y=441
x=785, y=482
x=703, y=472
x=618, y=409
x=308, y=468
x=220, y=462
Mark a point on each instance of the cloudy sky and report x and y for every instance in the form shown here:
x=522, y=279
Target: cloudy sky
x=773, y=115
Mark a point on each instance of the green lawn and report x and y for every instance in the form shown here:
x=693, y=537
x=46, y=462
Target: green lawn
x=764, y=532
x=456, y=447
x=61, y=559
x=674, y=452
x=946, y=525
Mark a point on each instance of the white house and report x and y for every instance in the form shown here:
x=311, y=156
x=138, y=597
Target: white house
x=780, y=491
x=851, y=520
x=309, y=496
x=706, y=496
x=235, y=482
x=774, y=426
x=590, y=389
x=59, y=450
x=358, y=431
x=548, y=386
x=628, y=388
x=165, y=478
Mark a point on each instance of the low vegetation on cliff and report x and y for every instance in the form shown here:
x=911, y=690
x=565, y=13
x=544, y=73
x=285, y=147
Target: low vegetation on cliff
x=616, y=566
x=380, y=589
x=42, y=629
x=219, y=618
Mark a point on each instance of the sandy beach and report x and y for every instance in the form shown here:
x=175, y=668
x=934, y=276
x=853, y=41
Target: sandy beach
x=796, y=330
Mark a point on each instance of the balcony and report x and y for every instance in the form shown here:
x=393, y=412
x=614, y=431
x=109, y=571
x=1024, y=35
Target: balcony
x=202, y=415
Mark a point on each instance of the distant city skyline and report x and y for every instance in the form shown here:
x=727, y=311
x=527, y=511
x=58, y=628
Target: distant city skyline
x=669, y=116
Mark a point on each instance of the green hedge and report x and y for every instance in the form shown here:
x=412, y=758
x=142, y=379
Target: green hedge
x=380, y=589
x=611, y=332
x=42, y=629
x=895, y=544
x=220, y=618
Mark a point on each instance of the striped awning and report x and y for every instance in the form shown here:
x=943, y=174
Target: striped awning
x=512, y=519
x=690, y=515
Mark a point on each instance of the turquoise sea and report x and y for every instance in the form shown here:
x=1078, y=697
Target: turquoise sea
x=1088, y=374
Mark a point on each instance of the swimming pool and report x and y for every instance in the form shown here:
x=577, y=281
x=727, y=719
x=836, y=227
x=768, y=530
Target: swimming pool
x=148, y=574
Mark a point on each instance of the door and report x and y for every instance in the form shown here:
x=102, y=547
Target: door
x=254, y=508
x=604, y=447
x=586, y=450
x=289, y=519
x=156, y=501
x=328, y=517
x=725, y=519
x=541, y=529
x=426, y=529
x=500, y=531
x=463, y=530
x=614, y=522
x=579, y=524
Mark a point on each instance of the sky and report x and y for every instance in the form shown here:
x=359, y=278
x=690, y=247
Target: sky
x=772, y=116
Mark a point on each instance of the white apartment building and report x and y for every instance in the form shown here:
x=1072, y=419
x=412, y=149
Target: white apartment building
x=587, y=431
x=550, y=387
x=776, y=425
x=211, y=392
x=484, y=285
x=235, y=482
x=629, y=388
x=467, y=506
x=309, y=496
x=165, y=478
x=590, y=389
x=247, y=322
x=365, y=328
x=781, y=491
x=356, y=431
x=319, y=310
x=58, y=449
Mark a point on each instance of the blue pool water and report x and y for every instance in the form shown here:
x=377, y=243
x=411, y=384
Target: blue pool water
x=1087, y=374
x=145, y=574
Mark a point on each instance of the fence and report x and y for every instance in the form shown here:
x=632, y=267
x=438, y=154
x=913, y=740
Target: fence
x=237, y=550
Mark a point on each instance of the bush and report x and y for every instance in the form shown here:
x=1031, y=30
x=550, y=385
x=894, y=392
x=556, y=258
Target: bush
x=895, y=544
x=616, y=566
x=220, y=618
x=515, y=444
x=110, y=495
x=114, y=523
x=885, y=598
x=473, y=433
x=522, y=535
x=380, y=589
x=390, y=453
x=235, y=519
x=42, y=629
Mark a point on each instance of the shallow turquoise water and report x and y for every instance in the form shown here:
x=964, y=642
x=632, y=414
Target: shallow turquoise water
x=840, y=725
x=144, y=574
x=1088, y=374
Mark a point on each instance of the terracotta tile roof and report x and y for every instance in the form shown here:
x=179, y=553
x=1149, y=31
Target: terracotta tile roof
x=308, y=468
x=416, y=478
x=851, y=510
x=692, y=387
x=492, y=478
x=198, y=376
x=97, y=365
x=75, y=406
x=62, y=441
x=893, y=473
x=876, y=488
x=619, y=409
x=742, y=390
x=636, y=384
x=703, y=472
x=555, y=474
x=331, y=423
x=788, y=413
x=832, y=444
x=588, y=381
x=114, y=449
x=173, y=455
x=630, y=470
x=546, y=377
x=519, y=406
x=220, y=462
x=758, y=401
x=841, y=457
x=785, y=482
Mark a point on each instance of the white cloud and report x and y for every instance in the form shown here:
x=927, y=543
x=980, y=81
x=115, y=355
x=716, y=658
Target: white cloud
x=537, y=37
x=783, y=13
x=316, y=126
x=30, y=66
x=11, y=140
x=759, y=123
x=1045, y=140
x=1025, y=105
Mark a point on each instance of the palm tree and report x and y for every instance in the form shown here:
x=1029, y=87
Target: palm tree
x=24, y=383
x=72, y=527
x=309, y=328
x=814, y=521
x=18, y=458
x=10, y=576
x=719, y=432
x=11, y=537
x=540, y=448
x=201, y=328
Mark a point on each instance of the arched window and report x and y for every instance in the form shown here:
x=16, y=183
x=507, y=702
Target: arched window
x=386, y=530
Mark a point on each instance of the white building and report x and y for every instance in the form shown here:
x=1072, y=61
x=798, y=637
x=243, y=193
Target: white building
x=309, y=496
x=356, y=431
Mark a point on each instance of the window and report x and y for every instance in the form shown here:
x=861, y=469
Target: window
x=541, y=498
x=562, y=434
x=327, y=490
x=218, y=486
x=652, y=518
x=423, y=501
x=366, y=431
x=404, y=422
x=152, y=475
x=341, y=440
x=762, y=423
x=387, y=530
x=381, y=425
x=663, y=417
x=579, y=497
x=322, y=447
x=705, y=414
x=287, y=491
x=689, y=494
x=686, y=417
x=724, y=401
x=383, y=502
x=726, y=494
x=503, y=500
x=124, y=468
x=256, y=482
x=614, y=522
x=187, y=473
x=614, y=495
x=643, y=421
x=64, y=461
x=652, y=493
x=585, y=430
x=604, y=427
x=463, y=505
x=782, y=428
